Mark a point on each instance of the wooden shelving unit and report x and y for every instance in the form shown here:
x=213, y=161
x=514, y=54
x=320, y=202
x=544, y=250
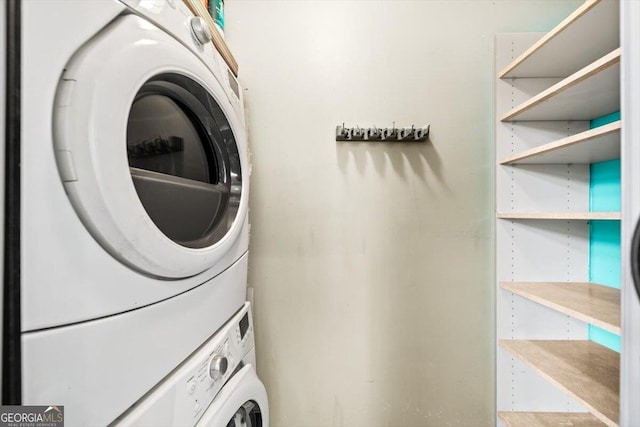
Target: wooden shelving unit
x=590, y=92
x=550, y=419
x=548, y=91
x=585, y=370
x=587, y=216
x=547, y=57
x=591, y=146
x=589, y=302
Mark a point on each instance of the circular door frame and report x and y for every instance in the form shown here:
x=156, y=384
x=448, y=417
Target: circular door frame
x=91, y=110
x=242, y=387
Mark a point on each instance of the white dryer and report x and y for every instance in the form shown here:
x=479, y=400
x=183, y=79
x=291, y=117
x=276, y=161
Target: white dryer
x=134, y=230
x=216, y=386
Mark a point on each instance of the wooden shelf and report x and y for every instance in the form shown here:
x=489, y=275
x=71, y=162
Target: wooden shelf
x=589, y=302
x=570, y=74
x=592, y=92
x=587, y=34
x=560, y=215
x=585, y=370
x=595, y=145
x=550, y=419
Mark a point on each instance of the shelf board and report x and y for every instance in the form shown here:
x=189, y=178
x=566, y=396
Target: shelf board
x=560, y=215
x=585, y=370
x=591, y=31
x=550, y=419
x=594, y=145
x=589, y=93
x=589, y=302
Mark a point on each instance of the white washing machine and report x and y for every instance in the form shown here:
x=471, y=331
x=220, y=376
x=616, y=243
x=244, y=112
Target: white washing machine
x=216, y=387
x=134, y=199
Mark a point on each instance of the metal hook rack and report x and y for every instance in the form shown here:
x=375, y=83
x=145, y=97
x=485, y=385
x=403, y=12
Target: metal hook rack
x=392, y=134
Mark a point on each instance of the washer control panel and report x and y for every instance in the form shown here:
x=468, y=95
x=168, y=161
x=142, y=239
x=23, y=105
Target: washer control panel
x=193, y=385
x=216, y=362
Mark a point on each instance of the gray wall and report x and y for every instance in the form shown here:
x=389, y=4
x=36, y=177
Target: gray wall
x=373, y=263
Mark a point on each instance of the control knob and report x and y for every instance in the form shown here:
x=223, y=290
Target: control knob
x=218, y=366
x=200, y=30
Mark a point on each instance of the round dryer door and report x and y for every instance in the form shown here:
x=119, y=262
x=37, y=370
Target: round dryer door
x=151, y=151
x=184, y=160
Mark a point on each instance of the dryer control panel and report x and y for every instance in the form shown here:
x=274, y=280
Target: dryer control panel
x=174, y=17
x=182, y=397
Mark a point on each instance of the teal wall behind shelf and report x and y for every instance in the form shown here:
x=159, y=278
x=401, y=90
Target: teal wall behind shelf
x=604, y=338
x=604, y=186
x=604, y=253
x=604, y=120
x=604, y=236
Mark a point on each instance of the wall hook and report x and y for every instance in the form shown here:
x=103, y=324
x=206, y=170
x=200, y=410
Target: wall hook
x=407, y=134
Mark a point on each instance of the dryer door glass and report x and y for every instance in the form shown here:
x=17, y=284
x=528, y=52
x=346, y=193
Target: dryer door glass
x=248, y=415
x=184, y=160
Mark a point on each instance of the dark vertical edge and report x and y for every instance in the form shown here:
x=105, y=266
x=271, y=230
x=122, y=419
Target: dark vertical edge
x=12, y=354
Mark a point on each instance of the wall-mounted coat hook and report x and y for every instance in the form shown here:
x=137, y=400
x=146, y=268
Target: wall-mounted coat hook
x=392, y=134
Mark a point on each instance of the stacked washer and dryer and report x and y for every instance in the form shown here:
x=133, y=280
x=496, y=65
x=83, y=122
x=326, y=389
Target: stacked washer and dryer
x=134, y=226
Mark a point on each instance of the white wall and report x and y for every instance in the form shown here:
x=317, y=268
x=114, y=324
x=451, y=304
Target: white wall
x=373, y=263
